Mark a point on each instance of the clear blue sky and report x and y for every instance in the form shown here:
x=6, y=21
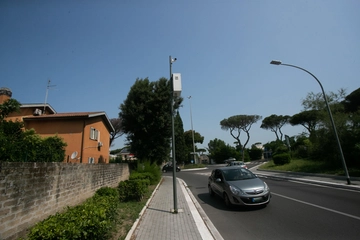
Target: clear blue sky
x=93, y=51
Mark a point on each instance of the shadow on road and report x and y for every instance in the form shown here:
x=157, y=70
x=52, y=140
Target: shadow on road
x=217, y=202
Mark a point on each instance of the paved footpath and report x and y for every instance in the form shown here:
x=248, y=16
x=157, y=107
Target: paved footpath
x=157, y=222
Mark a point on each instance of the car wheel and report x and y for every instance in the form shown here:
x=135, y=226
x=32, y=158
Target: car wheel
x=227, y=200
x=164, y=170
x=178, y=170
x=211, y=192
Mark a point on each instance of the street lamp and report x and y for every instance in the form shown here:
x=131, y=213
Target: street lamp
x=192, y=130
x=171, y=60
x=275, y=62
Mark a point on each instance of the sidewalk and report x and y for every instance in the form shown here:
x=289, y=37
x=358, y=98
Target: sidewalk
x=157, y=222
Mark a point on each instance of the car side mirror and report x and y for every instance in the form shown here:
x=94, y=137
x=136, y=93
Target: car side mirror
x=218, y=180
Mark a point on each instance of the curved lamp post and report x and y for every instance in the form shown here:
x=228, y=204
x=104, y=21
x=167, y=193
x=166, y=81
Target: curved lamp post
x=275, y=62
x=171, y=60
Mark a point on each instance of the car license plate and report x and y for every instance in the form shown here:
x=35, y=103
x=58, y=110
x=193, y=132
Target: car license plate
x=256, y=200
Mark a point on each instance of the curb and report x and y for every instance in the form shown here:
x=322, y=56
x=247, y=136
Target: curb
x=210, y=226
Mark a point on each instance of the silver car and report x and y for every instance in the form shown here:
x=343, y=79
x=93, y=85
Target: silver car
x=238, y=186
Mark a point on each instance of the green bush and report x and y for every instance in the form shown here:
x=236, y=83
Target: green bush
x=281, y=159
x=107, y=191
x=133, y=190
x=146, y=167
x=145, y=175
x=91, y=220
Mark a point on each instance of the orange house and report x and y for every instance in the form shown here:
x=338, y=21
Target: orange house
x=87, y=134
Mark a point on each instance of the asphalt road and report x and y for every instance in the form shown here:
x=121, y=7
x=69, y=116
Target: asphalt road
x=296, y=211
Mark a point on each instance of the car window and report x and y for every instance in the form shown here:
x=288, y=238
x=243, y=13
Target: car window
x=237, y=174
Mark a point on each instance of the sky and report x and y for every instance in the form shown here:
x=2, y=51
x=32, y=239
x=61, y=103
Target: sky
x=93, y=51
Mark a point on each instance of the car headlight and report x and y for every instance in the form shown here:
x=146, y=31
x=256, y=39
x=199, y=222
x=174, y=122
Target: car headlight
x=266, y=188
x=236, y=191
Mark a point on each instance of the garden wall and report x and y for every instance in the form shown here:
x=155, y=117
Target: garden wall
x=30, y=192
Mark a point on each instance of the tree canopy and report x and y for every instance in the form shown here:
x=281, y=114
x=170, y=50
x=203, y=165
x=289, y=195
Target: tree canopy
x=236, y=124
x=146, y=119
x=275, y=123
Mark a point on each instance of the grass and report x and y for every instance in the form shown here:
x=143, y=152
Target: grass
x=310, y=166
x=128, y=212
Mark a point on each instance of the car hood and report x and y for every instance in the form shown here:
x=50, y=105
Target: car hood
x=248, y=184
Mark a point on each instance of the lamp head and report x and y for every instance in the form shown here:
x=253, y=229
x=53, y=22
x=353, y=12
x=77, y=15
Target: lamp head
x=275, y=62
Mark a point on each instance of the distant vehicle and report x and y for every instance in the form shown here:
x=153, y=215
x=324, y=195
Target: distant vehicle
x=169, y=167
x=238, y=186
x=237, y=163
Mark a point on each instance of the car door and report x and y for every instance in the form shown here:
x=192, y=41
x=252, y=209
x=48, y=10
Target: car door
x=218, y=186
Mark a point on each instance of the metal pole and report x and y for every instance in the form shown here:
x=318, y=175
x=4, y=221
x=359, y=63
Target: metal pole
x=330, y=115
x=192, y=130
x=173, y=136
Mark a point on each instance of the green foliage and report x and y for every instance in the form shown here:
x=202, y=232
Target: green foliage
x=146, y=119
x=90, y=220
x=133, y=190
x=181, y=152
x=147, y=167
x=9, y=106
x=275, y=123
x=107, y=191
x=219, y=151
x=281, y=158
x=255, y=153
x=145, y=175
x=26, y=146
x=236, y=124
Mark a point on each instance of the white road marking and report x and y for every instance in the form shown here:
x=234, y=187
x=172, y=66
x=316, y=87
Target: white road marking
x=314, y=205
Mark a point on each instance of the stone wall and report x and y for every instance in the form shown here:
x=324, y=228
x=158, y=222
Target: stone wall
x=30, y=192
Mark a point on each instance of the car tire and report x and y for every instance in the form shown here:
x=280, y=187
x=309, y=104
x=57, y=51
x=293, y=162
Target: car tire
x=164, y=170
x=178, y=170
x=211, y=192
x=227, y=200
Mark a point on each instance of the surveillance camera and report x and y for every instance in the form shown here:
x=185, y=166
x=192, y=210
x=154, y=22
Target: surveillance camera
x=175, y=59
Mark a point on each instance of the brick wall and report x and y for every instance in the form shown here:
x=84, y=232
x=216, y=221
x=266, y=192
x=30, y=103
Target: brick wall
x=30, y=192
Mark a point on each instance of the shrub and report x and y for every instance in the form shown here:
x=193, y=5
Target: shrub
x=146, y=167
x=107, y=191
x=91, y=220
x=133, y=189
x=281, y=159
x=145, y=175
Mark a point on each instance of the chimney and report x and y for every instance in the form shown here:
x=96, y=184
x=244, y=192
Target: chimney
x=5, y=94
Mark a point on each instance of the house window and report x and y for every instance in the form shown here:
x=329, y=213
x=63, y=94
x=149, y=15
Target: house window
x=91, y=160
x=94, y=134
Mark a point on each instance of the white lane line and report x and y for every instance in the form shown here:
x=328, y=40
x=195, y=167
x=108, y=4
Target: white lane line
x=314, y=205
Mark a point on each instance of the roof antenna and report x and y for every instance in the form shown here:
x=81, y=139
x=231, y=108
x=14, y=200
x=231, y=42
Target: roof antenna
x=47, y=90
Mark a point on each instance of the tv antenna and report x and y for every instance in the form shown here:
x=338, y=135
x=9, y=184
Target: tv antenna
x=47, y=90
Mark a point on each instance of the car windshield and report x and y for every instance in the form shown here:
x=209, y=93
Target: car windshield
x=237, y=174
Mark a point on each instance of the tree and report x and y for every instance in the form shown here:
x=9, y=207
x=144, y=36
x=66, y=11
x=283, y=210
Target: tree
x=189, y=142
x=236, y=124
x=180, y=146
x=146, y=119
x=315, y=101
x=9, y=106
x=117, y=124
x=352, y=101
x=275, y=123
x=219, y=151
x=308, y=119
